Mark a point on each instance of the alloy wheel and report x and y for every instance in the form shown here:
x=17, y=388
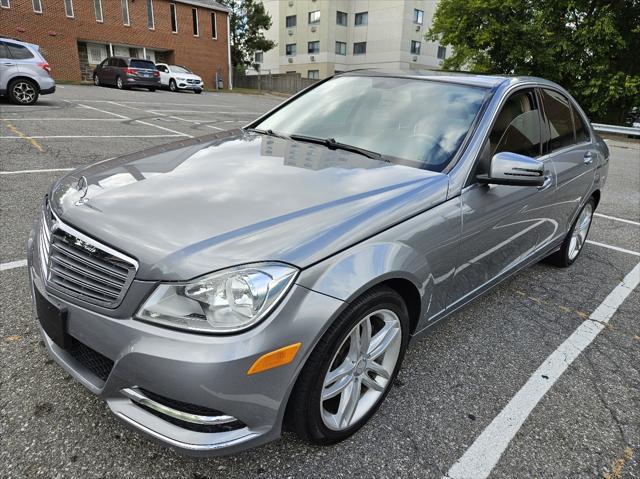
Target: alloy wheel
x=119, y=83
x=360, y=371
x=96, y=80
x=24, y=92
x=580, y=231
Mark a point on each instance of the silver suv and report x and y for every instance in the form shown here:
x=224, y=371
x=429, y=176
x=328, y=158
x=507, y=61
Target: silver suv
x=24, y=73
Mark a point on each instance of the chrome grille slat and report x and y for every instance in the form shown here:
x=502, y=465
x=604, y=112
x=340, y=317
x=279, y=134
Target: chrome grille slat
x=80, y=267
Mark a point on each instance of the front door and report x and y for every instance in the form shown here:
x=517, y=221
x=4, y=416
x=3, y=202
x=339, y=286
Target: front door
x=503, y=225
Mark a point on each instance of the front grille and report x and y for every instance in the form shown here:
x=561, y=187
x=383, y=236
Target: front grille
x=95, y=362
x=193, y=82
x=191, y=409
x=81, y=267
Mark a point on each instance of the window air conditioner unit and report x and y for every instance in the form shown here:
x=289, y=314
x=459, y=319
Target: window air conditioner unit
x=290, y=32
x=290, y=60
x=313, y=29
x=415, y=58
x=312, y=58
x=417, y=28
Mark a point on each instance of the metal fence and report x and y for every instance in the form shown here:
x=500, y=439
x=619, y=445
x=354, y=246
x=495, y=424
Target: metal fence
x=616, y=130
x=279, y=83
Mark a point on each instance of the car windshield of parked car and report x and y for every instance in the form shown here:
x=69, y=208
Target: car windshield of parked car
x=179, y=69
x=422, y=122
x=143, y=64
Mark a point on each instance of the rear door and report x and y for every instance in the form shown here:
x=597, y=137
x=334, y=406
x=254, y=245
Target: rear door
x=23, y=60
x=569, y=146
x=8, y=66
x=164, y=74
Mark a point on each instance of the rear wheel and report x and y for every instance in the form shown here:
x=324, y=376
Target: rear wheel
x=351, y=370
x=576, y=238
x=152, y=89
x=197, y=92
x=172, y=85
x=119, y=83
x=23, y=92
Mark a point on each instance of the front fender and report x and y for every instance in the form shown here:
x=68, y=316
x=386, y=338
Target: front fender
x=348, y=274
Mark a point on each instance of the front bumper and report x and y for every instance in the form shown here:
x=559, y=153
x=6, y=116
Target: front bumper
x=201, y=370
x=190, y=86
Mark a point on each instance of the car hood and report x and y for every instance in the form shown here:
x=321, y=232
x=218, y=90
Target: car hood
x=189, y=208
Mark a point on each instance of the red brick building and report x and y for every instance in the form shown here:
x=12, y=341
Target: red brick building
x=76, y=35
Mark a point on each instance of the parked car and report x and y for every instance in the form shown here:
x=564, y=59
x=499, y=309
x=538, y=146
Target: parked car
x=211, y=289
x=125, y=72
x=24, y=73
x=178, y=77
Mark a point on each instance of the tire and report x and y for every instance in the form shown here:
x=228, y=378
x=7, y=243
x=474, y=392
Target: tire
x=197, y=92
x=575, y=239
x=173, y=86
x=119, y=83
x=96, y=80
x=152, y=89
x=320, y=421
x=23, y=91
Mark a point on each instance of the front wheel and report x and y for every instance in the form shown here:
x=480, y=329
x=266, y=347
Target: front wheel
x=173, y=86
x=197, y=92
x=119, y=83
x=96, y=80
x=576, y=238
x=351, y=370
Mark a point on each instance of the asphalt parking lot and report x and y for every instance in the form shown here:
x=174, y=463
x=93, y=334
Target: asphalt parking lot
x=455, y=387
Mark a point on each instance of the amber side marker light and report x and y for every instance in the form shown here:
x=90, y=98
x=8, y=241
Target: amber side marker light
x=274, y=359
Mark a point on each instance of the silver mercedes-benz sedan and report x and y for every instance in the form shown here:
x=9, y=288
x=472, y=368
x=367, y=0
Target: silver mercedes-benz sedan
x=216, y=289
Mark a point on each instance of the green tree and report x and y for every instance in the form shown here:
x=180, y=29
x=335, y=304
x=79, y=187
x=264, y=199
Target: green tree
x=248, y=20
x=591, y=47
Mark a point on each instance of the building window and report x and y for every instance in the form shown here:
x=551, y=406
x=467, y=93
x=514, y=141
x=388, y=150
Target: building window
x=341, y=18
x=68, y=8
x=341, y=48
x=214, y=26
x=37, y=5
x=314, y=17
x=96, y=53
x=313, y=47
x=418, y=16
x=97, y=6
x=5, y=4
x=194, y=19
x=291, y=21
x=415, y=47
x=174, y=18
x=360, y=48
x=291, y=49
x=442, y=52
x=151, y=21
x=258, y=57
x=125, y=12
x=313, y=74
x=362, y=18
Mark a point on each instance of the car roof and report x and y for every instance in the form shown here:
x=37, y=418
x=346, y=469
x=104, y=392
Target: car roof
x=462, y=78
x=15, y=40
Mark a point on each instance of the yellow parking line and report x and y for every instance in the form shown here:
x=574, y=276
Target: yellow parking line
x=33, y=142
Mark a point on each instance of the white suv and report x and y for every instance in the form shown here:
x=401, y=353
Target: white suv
x=24, y=73
x=178, y=77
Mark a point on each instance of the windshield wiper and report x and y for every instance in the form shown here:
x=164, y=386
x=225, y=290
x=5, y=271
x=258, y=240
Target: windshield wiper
x=268, y=132
x=332, y=144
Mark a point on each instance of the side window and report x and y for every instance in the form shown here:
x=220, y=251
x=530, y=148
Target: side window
x=4, y=52
x=517, y=127
x=558, y=112
x=18, y=52
x=103, y=63
x=582, y=132
x=112, y=62
x=121, y=63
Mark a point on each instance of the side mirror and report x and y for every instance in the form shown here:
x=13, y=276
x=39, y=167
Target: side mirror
x=514, y=170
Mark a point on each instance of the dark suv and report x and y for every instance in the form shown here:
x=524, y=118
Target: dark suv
x=125, y=72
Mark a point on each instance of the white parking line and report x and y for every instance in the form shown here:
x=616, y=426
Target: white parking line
x=13, y=264
x=615, y=248
x=177, y=133
x=622, y=220
x=105, y=111
x=48, y=170
x=485, y=452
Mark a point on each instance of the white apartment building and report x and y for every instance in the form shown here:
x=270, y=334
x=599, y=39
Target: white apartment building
x=318, y=38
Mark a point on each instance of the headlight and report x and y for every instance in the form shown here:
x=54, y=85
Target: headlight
x=224, y=302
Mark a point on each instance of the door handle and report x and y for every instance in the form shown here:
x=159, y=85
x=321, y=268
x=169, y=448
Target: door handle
x=588, y=158
x=8, y=63
x=546, y=184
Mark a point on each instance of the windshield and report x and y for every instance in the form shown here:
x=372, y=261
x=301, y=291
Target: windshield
x=422, y=122
x=179, y=69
